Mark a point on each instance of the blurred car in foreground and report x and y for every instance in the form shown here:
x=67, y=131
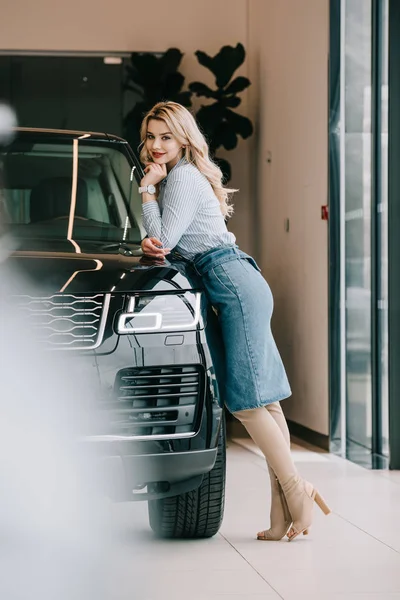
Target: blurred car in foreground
x=138, y=330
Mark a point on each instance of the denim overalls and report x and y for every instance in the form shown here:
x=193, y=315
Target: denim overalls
x=254, y=373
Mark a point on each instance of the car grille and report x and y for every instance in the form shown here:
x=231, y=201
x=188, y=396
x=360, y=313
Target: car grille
x=157, y=401
x=66, y=321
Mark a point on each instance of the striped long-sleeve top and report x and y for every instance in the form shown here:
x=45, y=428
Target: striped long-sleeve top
x=187, y=215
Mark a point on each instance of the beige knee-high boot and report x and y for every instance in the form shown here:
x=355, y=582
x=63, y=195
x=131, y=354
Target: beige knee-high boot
x=300, y=494
x=280, y=519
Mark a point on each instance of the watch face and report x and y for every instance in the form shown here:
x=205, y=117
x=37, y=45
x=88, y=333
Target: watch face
x=151, y=189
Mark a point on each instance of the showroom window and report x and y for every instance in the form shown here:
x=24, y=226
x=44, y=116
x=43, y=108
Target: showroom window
x=358, y=133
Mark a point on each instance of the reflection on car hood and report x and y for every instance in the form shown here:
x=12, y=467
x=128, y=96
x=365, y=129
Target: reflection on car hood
x=56, y=267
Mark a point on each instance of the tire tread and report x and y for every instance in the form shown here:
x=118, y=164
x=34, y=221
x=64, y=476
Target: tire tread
x=195, y=514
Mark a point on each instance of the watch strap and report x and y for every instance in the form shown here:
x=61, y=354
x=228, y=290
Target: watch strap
x=145, y=188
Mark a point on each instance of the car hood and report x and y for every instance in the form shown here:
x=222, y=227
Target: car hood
x=56, y=267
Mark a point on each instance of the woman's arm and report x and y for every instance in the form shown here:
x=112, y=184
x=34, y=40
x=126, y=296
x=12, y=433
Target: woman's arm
x=180, y=204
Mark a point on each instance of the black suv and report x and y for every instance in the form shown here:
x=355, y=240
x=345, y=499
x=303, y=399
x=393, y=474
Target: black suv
x=141, y=330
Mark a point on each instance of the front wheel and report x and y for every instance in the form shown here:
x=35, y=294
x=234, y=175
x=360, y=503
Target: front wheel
x=195, y=514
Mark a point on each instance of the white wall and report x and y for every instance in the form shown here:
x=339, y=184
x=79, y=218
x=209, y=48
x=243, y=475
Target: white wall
x=121, y=25
x=289, y=46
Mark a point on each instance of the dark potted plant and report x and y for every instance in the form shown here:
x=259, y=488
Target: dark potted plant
x=219, y=122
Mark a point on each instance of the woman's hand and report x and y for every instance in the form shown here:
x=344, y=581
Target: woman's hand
x=153, y=174
x=153, y=247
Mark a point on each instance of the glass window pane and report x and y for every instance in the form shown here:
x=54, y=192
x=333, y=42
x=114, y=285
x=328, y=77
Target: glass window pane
x=37, y=199
x=383, y=212
x=358, y=73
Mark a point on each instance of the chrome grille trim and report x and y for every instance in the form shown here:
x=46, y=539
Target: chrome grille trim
x=162, y=402
x=64, y=311
x=194, y=374
x=138, y=438
x=149, y=396
x=170, y=385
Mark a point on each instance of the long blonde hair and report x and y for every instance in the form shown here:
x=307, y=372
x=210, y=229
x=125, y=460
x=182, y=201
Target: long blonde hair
x=184, y=128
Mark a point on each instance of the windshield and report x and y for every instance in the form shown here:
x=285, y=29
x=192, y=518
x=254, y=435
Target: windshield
x=72, y=190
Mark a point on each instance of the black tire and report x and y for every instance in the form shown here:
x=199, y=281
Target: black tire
x=196, y=514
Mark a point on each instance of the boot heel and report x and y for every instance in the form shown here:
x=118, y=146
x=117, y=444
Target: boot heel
x=321, y=503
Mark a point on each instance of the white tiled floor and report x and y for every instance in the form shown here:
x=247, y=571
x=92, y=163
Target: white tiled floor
x=354, y=554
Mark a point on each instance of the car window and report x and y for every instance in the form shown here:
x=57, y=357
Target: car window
x=70, y=189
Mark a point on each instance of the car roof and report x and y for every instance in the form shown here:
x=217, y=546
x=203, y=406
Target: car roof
x=33, y=132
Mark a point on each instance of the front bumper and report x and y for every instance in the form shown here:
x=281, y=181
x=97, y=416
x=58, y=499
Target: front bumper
x=154, y=476
x=145, y=467
x=148, y=470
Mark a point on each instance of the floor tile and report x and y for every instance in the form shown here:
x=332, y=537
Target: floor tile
x=353, y=554
x=186, y=583
x=342, y=580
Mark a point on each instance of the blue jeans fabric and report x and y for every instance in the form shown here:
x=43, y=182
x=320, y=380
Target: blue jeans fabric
x=254, y=374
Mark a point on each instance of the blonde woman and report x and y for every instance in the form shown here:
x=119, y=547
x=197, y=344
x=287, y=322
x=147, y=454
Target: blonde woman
x=184, y=210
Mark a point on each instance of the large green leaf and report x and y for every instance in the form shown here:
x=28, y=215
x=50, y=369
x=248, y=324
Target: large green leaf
x=201, y=89
x=205, y=60
x=224, y=64
x=209, y=117
x=231, y=101
x=226, y=136
x=241, y=125
x=171, y=60
x=237, y=85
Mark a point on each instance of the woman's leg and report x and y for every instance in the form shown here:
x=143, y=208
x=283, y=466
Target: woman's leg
x=266, y=433
x=280, y=518
x=276, y=411
x=299, y=494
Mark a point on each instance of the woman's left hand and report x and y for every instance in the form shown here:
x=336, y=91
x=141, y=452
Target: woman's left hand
x=153, y=247
x=153, y=174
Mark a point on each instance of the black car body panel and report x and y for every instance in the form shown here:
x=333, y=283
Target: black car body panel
x=156, y=389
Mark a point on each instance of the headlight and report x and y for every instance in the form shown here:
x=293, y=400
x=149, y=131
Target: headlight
x=175, y=312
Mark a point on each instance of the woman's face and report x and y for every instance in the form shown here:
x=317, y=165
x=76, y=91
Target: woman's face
x=161, y=145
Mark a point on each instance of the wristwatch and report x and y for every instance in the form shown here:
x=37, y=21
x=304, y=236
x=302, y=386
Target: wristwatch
x=150, y=189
